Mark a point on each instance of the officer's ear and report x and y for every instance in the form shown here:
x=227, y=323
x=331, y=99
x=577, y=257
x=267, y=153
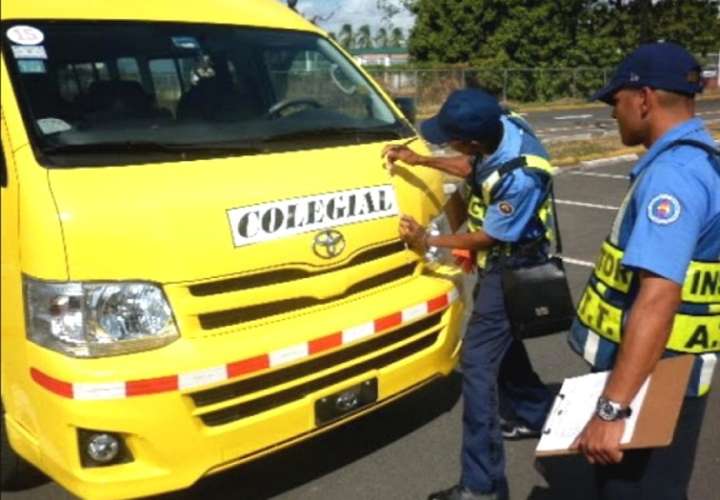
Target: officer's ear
x=650, y=100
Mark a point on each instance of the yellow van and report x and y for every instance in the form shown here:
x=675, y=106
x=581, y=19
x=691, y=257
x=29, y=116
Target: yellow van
x=200, y=253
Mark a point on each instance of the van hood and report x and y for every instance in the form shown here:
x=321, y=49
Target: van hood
x=199, y=220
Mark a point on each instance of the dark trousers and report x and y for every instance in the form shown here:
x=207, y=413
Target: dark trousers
x=491, y=358
x=657, y=473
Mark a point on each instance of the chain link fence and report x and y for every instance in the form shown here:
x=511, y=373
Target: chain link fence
x=430, y=87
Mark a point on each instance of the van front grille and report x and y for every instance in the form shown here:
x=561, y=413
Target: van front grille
x=291, y=273
x=230, y=317
x=286, y=375
x=264, y=403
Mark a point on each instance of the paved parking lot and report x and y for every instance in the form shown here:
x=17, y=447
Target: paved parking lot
x=411, y=448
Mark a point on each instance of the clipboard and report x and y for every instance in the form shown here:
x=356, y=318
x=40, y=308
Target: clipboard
x=657, y=411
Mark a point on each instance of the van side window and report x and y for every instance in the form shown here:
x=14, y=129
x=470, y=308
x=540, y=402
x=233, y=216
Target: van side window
x=68, y=83
x=186, y=66
x=85, y=74
x=102, y=71
x=128, y=69
x=168, y=87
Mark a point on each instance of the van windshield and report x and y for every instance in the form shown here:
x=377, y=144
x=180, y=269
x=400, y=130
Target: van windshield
x=109, y=93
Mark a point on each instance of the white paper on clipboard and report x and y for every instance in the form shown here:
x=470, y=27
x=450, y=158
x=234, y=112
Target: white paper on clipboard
x=575, y=405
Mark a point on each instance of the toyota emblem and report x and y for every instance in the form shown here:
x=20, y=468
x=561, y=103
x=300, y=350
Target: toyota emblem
x=329, y=244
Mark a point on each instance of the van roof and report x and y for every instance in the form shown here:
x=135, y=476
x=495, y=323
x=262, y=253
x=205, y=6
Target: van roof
x=259, y=13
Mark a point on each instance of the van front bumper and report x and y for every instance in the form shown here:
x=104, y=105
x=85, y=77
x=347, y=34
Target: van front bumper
x=184, y=428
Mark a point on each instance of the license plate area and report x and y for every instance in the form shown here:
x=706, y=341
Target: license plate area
x=345, y=402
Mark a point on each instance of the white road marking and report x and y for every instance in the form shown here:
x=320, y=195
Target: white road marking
x=587, y=205
x=602, y=162
x=572, y=117
x=598, y=174
x=578, y=262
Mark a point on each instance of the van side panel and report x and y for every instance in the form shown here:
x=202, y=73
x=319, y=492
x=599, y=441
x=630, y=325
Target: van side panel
x=36, y=249
x=40, y=241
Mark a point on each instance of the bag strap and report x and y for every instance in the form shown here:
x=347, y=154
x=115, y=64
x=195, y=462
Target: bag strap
x=521, y=162
x=521, y=123
x=556, y=222
x=711, y=151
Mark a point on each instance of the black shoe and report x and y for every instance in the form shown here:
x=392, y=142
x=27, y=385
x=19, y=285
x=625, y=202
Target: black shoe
x=458, y=492
x=513, y=430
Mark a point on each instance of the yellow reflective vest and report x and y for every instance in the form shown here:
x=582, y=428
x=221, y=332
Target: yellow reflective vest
x=480, y=197
x=610, y=291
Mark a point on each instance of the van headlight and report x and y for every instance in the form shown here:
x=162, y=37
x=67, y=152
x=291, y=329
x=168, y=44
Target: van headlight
x=439, y=255
x=91, y=320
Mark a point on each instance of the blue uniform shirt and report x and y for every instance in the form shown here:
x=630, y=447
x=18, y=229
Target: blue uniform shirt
x=674, y=214
x=519, y=193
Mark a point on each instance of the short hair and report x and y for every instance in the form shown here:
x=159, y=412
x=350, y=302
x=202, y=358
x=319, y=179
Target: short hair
x=670, y=99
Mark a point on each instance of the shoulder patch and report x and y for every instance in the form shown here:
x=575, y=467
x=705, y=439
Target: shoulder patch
x=664, y=209
x=506, y=208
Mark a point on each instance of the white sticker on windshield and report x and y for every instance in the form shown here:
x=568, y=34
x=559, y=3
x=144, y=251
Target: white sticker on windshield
x=29, y=52
x=280, y=219
x=31, y=66
x=25, y=35
x=53, y=125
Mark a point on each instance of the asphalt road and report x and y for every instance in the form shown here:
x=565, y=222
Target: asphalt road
x=411, y=448
x=596, y=122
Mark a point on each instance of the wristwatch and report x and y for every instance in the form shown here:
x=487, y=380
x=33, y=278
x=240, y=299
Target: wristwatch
x=609, y=411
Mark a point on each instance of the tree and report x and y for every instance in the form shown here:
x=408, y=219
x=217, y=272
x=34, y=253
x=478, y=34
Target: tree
x=389, y=9
x=346, y=36
x=381, y=37
x=363, y=37
x=501, y=35
x=316, y=19
x=397, y=37
x=539, y=33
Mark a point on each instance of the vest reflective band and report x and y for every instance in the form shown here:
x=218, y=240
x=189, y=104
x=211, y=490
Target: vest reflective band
x=701, y=285
x=478, y=203
x=693, y=334
x=696, y=327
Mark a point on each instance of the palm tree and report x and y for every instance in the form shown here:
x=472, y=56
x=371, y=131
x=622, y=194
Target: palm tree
x=363, y=38
x=346, y=36
x=397, y=37
x=381, y=38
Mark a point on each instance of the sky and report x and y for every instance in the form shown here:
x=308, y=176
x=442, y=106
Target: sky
x=355, y=12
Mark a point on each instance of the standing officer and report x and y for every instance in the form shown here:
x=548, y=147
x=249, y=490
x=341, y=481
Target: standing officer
x=655, y=291
x=509, y=224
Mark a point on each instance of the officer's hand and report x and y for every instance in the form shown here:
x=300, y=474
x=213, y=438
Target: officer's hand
x=393, y=152
x=600, y=441
x=412, y=233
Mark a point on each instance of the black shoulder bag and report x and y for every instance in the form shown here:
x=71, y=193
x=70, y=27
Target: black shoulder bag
x=537, y=297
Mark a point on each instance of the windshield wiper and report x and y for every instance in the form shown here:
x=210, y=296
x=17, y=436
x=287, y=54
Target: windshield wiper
x=331, y=133
x=139, y=147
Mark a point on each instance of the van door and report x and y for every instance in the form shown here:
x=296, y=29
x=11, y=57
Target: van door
x=10, y=288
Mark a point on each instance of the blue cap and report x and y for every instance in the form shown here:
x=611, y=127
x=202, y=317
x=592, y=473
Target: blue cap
x=662, y=66
x=468, y=114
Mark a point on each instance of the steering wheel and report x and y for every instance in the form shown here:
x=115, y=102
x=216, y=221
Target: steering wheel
x=276, y=109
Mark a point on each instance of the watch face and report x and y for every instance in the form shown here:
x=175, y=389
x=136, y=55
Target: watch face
x=608, y=411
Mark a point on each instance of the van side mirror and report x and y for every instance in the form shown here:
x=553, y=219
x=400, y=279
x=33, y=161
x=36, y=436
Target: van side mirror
x=408, y=108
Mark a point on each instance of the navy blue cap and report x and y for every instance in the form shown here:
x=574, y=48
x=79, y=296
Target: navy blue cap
x=662, y=66
x=468, y=114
